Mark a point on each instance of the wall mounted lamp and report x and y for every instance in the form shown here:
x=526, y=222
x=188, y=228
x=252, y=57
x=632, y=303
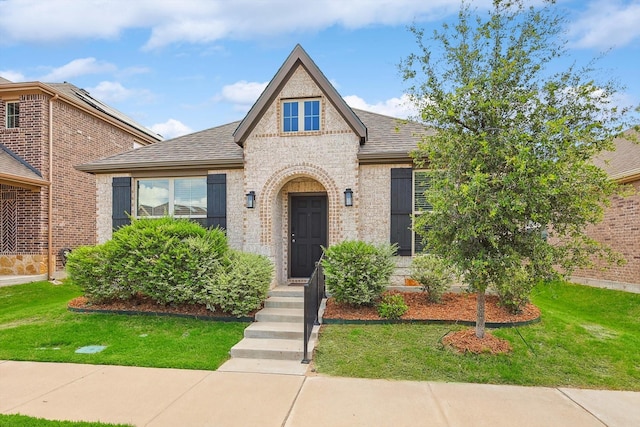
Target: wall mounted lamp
x=348, y=197
x=251, y=199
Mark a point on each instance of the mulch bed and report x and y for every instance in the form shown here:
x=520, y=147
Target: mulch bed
x=144, y=305
x=454, y=308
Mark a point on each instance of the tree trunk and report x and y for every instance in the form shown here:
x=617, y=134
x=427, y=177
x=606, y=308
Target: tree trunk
x=480, y=321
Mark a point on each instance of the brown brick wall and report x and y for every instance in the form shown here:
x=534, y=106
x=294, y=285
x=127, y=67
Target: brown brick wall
x=78, y=138
x=620, y=230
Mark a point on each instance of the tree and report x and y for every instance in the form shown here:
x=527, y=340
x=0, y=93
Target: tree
x=510, y=158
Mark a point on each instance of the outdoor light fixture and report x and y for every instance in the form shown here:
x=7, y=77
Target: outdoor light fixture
x=251, y=199
x=348, y=197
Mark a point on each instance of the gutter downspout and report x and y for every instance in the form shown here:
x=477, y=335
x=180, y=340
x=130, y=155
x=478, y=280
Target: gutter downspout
x=51, y=269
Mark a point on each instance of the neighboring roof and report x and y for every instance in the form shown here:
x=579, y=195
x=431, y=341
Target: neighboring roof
x=390, y=140
x=3, y=80
x=209, y=148
x=297, y=57
x=623, y=164
x=84, y=96
x=14, y=170
x=80, y=98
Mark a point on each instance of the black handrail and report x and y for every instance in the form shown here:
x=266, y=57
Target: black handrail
x=314, y=292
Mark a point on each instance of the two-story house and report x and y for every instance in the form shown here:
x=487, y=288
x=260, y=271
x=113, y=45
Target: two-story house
x=47, y=206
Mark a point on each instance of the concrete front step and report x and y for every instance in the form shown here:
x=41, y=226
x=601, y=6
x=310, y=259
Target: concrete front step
x=284, y=302
x=265, y=366
x=287, y=291
x=277, y=330
x=257, y=348
x=289, y=315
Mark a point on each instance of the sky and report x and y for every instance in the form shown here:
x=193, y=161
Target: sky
x=180, y=66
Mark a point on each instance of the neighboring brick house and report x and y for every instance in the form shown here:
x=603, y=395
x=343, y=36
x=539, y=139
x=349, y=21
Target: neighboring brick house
x=620, y=228
x=300, y=171
x=46, y=129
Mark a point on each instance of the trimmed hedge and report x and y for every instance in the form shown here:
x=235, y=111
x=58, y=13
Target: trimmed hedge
x=171, y=261
x=356, y=273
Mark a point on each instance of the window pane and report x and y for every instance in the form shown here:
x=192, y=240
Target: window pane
x=312, y=115
x=190, y=197
x=290, y=116
x=13, y=114
x=420, y=186
x=153, y=197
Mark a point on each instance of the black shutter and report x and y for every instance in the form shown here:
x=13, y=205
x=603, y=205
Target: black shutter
x=217, y=200
x=401, y=209
x=121, y=207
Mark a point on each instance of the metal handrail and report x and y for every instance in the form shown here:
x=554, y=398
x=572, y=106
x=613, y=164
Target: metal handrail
x=314, y=292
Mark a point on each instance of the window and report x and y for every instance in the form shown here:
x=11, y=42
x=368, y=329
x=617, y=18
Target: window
x=13, y=114
x=293, y=121
x=421, y=184
x=177, y=197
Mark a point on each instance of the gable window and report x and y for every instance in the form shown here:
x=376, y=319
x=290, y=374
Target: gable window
x=176, y=197
x=13, y=115
x=293, y=121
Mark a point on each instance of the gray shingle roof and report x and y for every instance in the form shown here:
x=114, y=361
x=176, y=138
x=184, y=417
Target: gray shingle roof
x=85, y=97
x=625, y=160
x=14, y=168
x=389, y=140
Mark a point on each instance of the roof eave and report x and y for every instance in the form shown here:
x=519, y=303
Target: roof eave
x=166, y=165
x=389, y=157
x=23, y=182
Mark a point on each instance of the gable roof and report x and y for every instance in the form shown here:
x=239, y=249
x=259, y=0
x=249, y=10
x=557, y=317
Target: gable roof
x=390, y=140
x=15, y=171
x=623, y=164
x=81, y=99
x=297, y=57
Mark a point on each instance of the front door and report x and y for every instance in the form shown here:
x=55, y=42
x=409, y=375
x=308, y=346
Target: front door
x=308, y=233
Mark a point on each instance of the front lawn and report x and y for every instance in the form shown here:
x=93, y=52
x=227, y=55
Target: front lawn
x=25, y=421
x=36, y=325
x=587, y=338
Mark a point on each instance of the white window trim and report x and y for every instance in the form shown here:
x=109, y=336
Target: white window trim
x=300, y=102
x=7, y=116
x=171, y=202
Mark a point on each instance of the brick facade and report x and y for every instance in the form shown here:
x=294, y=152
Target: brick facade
x=78, y=137
x=620, y=230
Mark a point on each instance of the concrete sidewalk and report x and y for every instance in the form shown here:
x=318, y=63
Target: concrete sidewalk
x=173, y=397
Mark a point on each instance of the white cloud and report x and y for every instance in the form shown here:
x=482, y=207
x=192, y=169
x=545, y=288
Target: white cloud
x=12, y=76
x=197, y=21
x=242, y=94
x=110, y=91
x=77, y=67
x=607, y=23
x=172, y=128
x=401, y=108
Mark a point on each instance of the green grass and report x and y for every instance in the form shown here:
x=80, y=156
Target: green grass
x=587, y=338
x=36, y=325
x=24, y=421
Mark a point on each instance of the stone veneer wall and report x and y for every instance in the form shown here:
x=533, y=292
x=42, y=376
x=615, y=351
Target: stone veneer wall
x=23, y=264
x=620, y=230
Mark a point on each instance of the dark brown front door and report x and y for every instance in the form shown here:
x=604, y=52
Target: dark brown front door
x=308, y=233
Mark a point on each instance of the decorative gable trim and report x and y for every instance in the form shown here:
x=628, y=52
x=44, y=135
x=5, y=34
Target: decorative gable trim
x=297, y=57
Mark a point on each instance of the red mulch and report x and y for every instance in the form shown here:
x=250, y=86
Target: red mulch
x=453, y=307
x=145, y=305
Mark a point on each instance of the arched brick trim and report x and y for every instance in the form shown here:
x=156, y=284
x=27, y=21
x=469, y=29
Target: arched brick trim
x=275, y=183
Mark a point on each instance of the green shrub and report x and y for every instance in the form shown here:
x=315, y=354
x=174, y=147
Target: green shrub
x=392, y=306
x=168, y=260
x=91, y=268
x=434, y=275
x=514, y=289
x=356, y=273
x=242, y=287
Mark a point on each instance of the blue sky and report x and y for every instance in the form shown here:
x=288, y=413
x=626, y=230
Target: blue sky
x=178, y=66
